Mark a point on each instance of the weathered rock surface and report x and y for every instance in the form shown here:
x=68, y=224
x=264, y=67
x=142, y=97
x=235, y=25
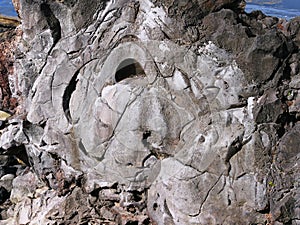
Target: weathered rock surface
x=9, y=38
x=152, y=112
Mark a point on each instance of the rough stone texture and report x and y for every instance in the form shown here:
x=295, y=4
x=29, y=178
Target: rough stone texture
x=9, y=38
x=153, y=112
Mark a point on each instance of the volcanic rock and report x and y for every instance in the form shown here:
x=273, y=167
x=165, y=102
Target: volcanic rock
x=153, y=112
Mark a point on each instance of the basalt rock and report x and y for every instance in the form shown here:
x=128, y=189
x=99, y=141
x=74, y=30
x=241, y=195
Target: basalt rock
x=8, y=43
x=153, y=112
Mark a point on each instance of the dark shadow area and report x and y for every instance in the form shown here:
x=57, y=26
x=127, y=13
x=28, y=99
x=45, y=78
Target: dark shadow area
x=129, y=68
x=52, y=21
x=67, y=96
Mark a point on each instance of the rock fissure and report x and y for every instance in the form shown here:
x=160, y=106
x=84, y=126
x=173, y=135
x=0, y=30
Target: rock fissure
x=206, y=196
x=67, y=97
x=52, y=22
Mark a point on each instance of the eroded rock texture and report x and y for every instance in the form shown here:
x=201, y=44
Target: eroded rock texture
x=9, y=37
x=154, y=112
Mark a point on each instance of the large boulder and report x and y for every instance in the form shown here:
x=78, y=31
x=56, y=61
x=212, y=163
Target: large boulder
x=147, y=112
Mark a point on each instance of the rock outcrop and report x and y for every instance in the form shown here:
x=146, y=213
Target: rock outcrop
x=152, y=112
x=9, y=38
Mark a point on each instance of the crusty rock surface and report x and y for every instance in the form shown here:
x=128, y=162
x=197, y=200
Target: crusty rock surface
x=152, y=112
x=9, y=37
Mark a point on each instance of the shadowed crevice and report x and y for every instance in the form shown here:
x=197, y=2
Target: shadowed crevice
x=52, y=22
x=67, y=97
x=129, y=68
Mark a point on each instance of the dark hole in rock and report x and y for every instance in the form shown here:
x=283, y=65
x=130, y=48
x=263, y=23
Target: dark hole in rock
x=266, y=210
x=67, y=96
x=95, y=193
x=43, y=143
x=229, y=202
x=19, y=153
x=8, y=170
x=4, y=195
x=146, y=134
x=155, y=206
x=129, y=68
x=146, y=222
x=132, y=223
x=52, y=21
x=2, y=124
x=137, y=196
x=202, y=139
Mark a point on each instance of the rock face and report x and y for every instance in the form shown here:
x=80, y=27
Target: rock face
x=153, y=112
x=9, y=38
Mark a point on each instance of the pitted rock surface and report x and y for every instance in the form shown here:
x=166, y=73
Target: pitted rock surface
x=153, y=112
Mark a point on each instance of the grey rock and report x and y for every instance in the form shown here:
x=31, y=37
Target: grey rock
x=147, y=112
x=22, y=189
x=258, y=51
x=293, y=30
x=6, y=181
x=295, y=82
x=13, y=135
